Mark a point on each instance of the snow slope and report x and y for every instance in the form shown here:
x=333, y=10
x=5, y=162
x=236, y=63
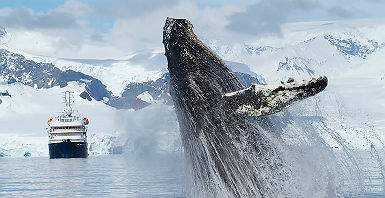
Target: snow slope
x=116, y=74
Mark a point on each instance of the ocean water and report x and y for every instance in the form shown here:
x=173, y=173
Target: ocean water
x=95, y=176
x=123, y=176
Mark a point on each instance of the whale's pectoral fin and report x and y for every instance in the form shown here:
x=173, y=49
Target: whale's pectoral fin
x=260, y=100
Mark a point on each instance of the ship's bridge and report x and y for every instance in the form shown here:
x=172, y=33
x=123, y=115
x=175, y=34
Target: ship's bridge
x=67, y=121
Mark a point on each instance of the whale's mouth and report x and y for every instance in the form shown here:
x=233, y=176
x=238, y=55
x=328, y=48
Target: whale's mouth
x=260, y=100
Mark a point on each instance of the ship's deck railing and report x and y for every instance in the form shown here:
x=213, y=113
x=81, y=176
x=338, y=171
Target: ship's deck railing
x=67, y=118
x=76, y=128
x=62, y=140
x=67, y=129
x=64, y=132
x=66, y=136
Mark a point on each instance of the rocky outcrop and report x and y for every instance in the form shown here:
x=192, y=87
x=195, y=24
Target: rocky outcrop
x=86, y=96
x=6, y=93
x=16, y=68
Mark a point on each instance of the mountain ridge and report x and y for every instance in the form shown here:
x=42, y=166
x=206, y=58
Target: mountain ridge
x=16, y=68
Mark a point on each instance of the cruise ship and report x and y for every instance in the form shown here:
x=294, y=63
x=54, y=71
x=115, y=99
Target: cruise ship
x=67, y=133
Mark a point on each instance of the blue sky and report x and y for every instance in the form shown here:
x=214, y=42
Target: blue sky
x=114, y=27
x=37, y=5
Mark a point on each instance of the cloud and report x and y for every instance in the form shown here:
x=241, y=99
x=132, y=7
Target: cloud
x=340, y=12
x=132, y=8
x=70, y=15
x=109, y=29
x=266, y=17
x=57, y=32
x=27, y=19
x=69, y=31
x=75, y=8
x=133, y=33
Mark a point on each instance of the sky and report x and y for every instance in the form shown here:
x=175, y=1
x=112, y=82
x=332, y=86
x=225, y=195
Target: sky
x=116, y=28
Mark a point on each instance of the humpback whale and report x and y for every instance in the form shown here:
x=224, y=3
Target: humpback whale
x=230, y=153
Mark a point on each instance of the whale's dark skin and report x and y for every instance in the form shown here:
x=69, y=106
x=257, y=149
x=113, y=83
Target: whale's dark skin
x=231, y=155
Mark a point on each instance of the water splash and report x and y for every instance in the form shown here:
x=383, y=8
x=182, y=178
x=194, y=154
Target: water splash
x=327, y=163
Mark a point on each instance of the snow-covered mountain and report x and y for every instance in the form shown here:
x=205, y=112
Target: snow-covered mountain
x=308, y=49
x=131, y=73
x=350, y=53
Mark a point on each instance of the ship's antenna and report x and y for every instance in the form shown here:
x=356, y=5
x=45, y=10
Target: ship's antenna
x=68, y=98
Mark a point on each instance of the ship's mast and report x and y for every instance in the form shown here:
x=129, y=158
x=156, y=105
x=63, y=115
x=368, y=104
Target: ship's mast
x=68, y=101
x=68, y=98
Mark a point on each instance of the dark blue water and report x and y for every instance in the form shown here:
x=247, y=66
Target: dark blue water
x=96, y=176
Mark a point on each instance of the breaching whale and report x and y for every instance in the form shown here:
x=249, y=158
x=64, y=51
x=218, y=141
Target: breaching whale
x=230, y=154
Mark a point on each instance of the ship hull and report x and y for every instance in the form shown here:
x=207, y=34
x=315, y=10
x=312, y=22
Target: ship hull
x=68, y=150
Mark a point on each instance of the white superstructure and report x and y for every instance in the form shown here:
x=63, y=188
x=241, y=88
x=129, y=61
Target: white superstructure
x=67, y=127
